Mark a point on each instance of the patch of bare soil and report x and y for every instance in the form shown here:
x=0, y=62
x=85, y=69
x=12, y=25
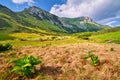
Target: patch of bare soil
x=67, y=63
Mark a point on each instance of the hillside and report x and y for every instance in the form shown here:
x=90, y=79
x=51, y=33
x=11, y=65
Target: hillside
x=12, y=22
x=34, y=19
x=114, y=29
x=71, y=25
x=29, y=18
x=81, y=24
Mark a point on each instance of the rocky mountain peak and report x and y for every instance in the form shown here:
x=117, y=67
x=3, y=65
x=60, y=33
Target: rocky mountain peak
x=34, y=10
x=86, y=19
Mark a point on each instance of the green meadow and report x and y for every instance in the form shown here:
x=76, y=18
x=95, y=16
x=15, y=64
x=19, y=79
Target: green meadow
x=107, y=37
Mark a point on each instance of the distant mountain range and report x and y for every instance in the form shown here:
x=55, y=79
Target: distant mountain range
x=34, y=19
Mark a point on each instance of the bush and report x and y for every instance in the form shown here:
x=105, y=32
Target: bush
x=85, y=35
x=94, y=59
x=111, y=49
x=25, y=66
x=5, y=47
x=54, y=37
x=88, y=55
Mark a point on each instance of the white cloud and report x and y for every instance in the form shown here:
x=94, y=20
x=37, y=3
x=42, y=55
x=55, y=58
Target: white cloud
x=96, y=9
x=30, y=2
x=110, y=21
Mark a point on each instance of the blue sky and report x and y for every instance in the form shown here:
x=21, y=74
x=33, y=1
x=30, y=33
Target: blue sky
x=106, y=12
x=44, y=4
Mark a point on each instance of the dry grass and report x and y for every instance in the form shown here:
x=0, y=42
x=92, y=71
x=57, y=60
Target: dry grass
x=67, y=63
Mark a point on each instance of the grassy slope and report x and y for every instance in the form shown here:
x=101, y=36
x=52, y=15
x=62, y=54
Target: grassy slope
x=13, y=22
x=108, y=30
x=29, y=20
x=9, y=24
x=78, y=25
x=111, y=36
x=42, y=25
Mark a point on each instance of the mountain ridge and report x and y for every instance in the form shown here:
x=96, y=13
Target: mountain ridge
x=37, y=18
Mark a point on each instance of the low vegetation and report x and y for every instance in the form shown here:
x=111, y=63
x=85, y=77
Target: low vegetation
x=93, y=58
x=25, y=66
x=5, y=47
x=111, y=49
x=84, y=35
x=61, y=62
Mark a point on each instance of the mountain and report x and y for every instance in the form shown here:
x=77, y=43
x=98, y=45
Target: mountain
x=71, y=25
x=81, y=24
x=34, y=19
x=7, y=18
x=31, y=17
x=12, y=22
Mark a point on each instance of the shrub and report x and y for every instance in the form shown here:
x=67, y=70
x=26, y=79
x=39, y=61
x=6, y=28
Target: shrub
x=88, y=55
x=54, y=37
x=5, y=47
x=24, y=66
x=111, y=49
x=94, y=59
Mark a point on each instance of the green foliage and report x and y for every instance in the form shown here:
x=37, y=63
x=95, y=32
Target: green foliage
x=94, y=59
x=5, y=47
x=24, y=66
x=54, y=37
x=88, y=55
x=111, y=49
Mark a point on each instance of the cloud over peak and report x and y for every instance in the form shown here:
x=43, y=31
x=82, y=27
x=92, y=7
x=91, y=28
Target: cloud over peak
x=96, y=9
x=30, y=2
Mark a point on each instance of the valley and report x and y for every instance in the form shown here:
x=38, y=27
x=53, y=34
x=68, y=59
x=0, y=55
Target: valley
x=37, y=45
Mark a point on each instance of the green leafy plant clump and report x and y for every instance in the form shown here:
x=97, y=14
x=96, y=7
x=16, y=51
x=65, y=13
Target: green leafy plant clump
x=88, y=55
x=111, y=49
x=5, y=47
x=93, y=58
x=25, y=66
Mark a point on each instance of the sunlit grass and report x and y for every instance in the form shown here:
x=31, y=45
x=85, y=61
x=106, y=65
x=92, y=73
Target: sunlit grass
x=41, y=43
x=113, y=36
